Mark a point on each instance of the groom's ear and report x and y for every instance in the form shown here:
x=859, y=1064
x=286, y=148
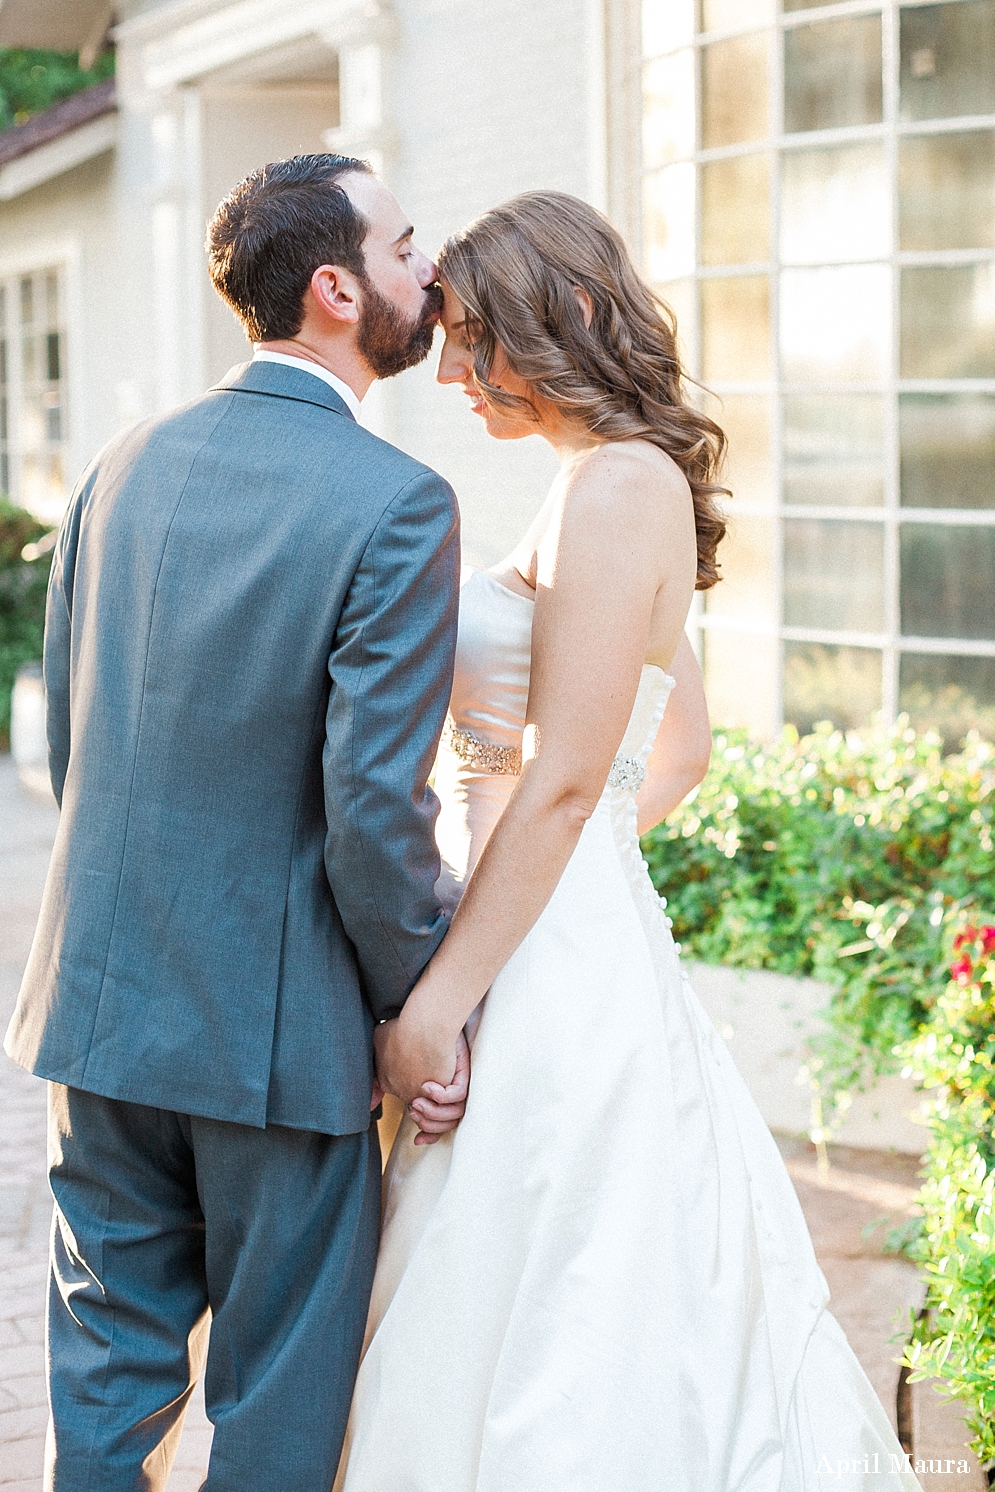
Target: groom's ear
x=336, y=293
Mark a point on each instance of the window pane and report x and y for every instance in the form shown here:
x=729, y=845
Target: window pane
x=948, y=322
x=835, y=205
x=836, y=324
x=666, y=24
x=839, y=684
x=735, y=329
x=832, y=74
x=668, y=222
x=948, y=694
x=745, y=418
x=946, y=67
x=947, y=588
x=741, y=674
x=746, y=556
x=948, y=450
x=946, y=191
x=680, y=297
x=833, y=574
x=668, y=110
x=834, y=449
x=734, y=90
x=720, y=15
x=735, y=210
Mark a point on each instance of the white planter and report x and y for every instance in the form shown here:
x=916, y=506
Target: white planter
x=765, y=1019
x=28, y=743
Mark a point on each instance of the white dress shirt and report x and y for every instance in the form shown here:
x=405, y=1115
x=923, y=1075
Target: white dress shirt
x=342, y=389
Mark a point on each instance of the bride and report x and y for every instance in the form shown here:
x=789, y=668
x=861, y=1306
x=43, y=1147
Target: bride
x=602, y=1280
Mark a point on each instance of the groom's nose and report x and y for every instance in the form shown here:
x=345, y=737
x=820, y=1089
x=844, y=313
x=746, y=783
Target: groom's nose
x=428, y=272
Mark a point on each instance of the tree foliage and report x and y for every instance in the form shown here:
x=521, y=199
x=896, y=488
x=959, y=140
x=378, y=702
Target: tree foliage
x=32, y=80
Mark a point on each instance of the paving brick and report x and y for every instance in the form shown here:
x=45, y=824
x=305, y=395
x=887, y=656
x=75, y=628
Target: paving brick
x=24, y=1458
x=29, y=1389
x=19, y=1424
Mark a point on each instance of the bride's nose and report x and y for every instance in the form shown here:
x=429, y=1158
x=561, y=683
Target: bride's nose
x=454, y=364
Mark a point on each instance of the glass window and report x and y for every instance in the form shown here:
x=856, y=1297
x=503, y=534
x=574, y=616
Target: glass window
x=746, y=555
x=946, y=191
x=735, y=210
x=836, y=324
x=37, y=471
x=742, y=670
x=946, y=60
x=668, y=222
x=833, y=574
x=735, y=329
x=834, y=449
x=948, y=694
x=745, y=418
x=668, y=110
x=947, y=588
x=823, y=682
x=835, y=205
x=680, y=296
x=948, y=450
x=666, y=24
x=722, y=15
x=948, y=322
x=734, y=90
x=832, y=74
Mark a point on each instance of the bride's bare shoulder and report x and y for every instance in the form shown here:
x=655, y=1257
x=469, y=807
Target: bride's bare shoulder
x=625, y=477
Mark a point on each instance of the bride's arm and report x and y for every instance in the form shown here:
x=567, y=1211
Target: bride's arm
x=623, y=536
x=683, y=747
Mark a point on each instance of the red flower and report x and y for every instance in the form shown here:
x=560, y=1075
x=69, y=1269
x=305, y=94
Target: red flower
x=969, y=935
x=962, y=969
x=988, y=940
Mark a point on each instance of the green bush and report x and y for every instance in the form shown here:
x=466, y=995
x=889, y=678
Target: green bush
x=837, y=856
x=22, y=602
x=954, y=1055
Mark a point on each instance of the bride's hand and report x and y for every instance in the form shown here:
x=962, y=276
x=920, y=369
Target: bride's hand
x=440, y=1108
x=410, y=1053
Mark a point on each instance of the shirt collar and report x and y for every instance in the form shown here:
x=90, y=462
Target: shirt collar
x=342, y=389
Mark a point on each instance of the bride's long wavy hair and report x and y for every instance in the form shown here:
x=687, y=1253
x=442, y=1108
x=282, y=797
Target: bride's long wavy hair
x=515, y=269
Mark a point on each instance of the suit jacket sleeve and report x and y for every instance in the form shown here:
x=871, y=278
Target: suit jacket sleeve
x=58, y=645
x=391, y=671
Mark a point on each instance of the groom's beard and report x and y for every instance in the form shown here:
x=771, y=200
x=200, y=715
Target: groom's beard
x=387, y=342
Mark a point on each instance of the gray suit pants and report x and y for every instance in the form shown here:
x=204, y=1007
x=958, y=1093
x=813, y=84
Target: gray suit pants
x=160, y=1216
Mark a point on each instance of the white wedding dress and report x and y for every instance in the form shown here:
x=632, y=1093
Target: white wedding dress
x=602, y=1282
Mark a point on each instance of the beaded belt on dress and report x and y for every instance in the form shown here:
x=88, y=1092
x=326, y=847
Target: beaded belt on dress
x=627, y=772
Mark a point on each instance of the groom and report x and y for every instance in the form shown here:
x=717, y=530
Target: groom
x=248, y=658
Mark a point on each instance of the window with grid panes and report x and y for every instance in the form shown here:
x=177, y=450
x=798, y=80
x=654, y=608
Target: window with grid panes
x=818, y=207
x=33, y=426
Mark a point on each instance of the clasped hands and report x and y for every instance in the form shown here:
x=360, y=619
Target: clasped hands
x=428, y=1070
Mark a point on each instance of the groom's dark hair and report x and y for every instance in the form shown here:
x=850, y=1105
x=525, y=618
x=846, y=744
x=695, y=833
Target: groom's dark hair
x=271, y=233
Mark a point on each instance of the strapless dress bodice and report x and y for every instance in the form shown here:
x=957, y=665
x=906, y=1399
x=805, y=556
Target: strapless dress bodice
x=481, y=752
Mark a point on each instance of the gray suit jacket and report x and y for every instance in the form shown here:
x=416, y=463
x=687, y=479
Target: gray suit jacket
x=248, y=658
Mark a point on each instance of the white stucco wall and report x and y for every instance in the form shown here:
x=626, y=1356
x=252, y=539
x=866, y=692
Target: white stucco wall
x=489, y=100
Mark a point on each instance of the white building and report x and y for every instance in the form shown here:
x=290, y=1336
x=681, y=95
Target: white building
x=812, y=186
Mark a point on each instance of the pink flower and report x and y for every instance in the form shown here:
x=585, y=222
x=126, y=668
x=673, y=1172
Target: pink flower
x=969, y=935
x=962, y=969
x=988, y=940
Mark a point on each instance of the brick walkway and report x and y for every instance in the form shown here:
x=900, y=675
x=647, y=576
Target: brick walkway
x=869, y=1291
